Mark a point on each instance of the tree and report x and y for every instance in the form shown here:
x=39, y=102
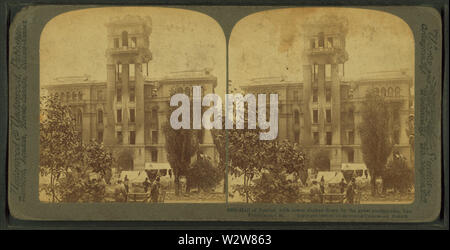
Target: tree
x=376, y=130
x=76, y=170
x=269, y=168
x=398, y=175
x=181, y=146
x=254, y=159
x=220, y=142
x=281, y=176
x=203, y=174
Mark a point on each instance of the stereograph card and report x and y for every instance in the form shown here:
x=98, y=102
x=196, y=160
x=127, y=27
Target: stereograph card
x=225, y=113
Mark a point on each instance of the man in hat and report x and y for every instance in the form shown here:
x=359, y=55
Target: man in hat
x=351, y=191
x=155, y=188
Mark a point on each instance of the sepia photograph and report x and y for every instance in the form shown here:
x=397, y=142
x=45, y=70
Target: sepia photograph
x=345, y=84
x=106, y=78
x=234, y=114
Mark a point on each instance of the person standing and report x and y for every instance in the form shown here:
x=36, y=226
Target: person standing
x=126, y=184
x=146, y=185
x=120, y=194
x=154, y=192
x=350, y=193
x=342, y=185
x=322, y=185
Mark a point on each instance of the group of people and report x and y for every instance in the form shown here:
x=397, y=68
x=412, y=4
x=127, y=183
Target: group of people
x=152, y=188
x=349, y=190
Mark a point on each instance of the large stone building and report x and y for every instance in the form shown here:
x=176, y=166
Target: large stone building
x=128, y=111
x=323, y=111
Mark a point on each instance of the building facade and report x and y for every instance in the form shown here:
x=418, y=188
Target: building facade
x=128, y=111
x=323, y=111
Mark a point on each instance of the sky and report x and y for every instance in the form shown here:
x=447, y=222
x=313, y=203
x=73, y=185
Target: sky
x=74, y=43
x=270, y=43
x=264, y=44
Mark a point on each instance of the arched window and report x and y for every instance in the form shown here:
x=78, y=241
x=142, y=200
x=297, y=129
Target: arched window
x=124, y=39
x=397, y=91
x=80, y=96
x=74, y=96
x=296, y=117
x=383, y=92
x=390, y=92
x=68, y=96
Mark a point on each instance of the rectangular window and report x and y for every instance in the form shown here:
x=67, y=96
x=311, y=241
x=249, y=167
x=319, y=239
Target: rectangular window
x=316, y=137
x=132, y=72
x=144, y=69
x=351, y=156
x=132, y=94
x=297, y=137
x=116, y=43
x=316, y=73
x=133, y=42
x=119, y=72
x=312, y=42
x=132, y=137
x=119, y=115
x=328, y=94
x=327, y=72
x=315, y=95
x=329, y=42
x=329, y=138
x=154, y=137
x=119, y=137
x=351, y=137
x=154, y=155
x=321, y=40
x=132, y=115
x=119, y=94
x=315, y=116
x=100, y=136
x=328, y=115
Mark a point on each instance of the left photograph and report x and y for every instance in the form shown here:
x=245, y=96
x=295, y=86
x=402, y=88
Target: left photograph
x=106, y=80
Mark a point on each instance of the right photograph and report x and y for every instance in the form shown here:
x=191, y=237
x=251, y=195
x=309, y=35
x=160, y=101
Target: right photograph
x=344, y=82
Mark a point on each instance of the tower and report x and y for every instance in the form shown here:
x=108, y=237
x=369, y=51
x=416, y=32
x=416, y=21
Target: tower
x=128, y=55
x=323, y=68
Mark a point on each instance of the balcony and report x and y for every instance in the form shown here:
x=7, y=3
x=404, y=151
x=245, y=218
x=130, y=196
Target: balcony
x=123, y=50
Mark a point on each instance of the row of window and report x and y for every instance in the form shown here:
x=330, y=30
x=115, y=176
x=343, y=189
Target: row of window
x=327, y=72
x=315, y=116
x=315, y=94
x=70, y=96
x=329, y=137
x=131, y=94
x=131, y=72
x=389, y=92
x=132, y=116
x=324, y=42
x=131, y=138
x=126, y=42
